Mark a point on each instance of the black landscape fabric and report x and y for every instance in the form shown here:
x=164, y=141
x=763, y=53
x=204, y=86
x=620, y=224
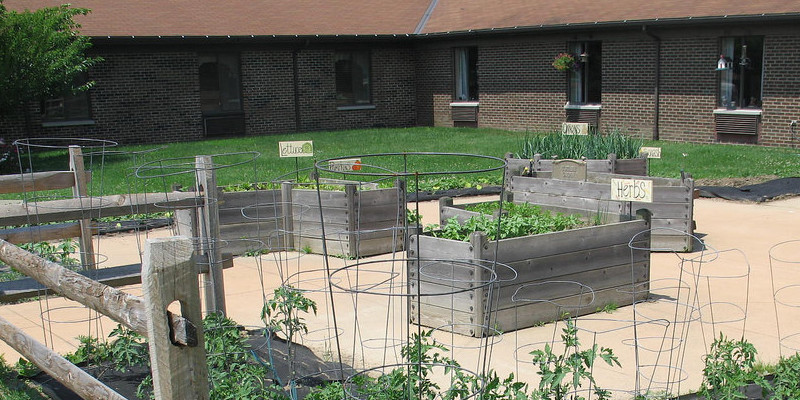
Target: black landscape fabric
x=758, y=193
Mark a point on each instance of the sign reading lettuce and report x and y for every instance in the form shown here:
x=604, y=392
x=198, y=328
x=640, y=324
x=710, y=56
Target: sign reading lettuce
x=302, y=148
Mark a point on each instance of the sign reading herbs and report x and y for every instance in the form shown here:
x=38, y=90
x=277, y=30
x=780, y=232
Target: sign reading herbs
x=303, y=148
x=640, y=190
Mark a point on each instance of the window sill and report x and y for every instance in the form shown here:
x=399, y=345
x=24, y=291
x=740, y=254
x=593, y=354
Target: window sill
x=464, y=104
x=77, y=122
x=353, y=108
x=569, y=106
x=738, y=111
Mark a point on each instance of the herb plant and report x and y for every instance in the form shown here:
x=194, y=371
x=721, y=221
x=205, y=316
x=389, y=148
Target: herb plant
x=576, y=146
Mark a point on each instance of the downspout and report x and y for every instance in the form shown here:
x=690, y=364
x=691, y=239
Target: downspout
x=657, y=84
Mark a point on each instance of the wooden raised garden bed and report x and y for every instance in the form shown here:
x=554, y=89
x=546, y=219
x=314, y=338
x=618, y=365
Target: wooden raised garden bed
x=611, y=165
x=672, y=207
x=358, y=223
x=596, y=256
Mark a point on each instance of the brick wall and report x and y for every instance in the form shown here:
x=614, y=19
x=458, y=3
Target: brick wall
x=142, y=97
x=688, y=89
x=435, y=86
x=781, y=91
x=628, y=98
x=393, y=91
x=268, y=91
x=519, y=88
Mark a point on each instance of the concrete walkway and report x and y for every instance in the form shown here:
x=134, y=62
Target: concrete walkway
x=735, y=279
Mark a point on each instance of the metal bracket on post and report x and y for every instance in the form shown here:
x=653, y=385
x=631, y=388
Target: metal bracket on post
x=177, y=354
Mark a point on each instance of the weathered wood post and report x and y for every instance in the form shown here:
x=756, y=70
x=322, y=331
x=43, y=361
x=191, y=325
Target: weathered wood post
x=177, y=354
x=209, y=232
x=81, y=191
x=288, y=216
x=353, y=223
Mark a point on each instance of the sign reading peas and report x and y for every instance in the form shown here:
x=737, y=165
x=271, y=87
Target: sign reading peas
x=302, y=148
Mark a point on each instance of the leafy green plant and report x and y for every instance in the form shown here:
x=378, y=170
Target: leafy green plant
x=728, y=367
x=281, y=314
x=608, y=308
x=128, y=349
x=522, y=220
x=565, y=373
x=90, y=350
x=786, y=382
x=26, y=368
x=13, y=388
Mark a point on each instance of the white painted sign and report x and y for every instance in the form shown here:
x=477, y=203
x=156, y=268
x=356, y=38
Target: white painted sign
x=640, y=190
x=651, y=152
x=575, y=128
x=302, y=148
x=345, y=165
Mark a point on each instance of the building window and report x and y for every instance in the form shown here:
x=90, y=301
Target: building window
x=69, y=107
x=353, y=78
x=220, y=83
x=740, y=83
x=585, y=79
x=466, y=73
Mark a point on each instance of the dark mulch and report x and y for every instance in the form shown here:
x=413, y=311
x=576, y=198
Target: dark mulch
x=758, y=193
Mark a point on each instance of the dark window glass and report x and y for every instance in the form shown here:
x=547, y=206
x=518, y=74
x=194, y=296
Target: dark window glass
x=585, y=78
x=69, y=107
x=220, y=84
x=352, y=78
x=740, y=83
x=466, y=72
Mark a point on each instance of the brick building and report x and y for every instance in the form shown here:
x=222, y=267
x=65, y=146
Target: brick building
x=186, y=70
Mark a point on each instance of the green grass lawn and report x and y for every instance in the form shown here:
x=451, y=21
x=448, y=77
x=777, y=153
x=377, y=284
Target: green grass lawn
x=172, y=163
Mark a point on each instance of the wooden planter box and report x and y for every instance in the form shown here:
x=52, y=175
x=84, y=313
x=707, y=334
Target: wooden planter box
x=672, y=207
x=598, y=257
x=358, y=223
x=611, y=165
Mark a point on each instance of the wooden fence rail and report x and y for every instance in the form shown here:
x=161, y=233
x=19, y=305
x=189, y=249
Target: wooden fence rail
x=131, y=311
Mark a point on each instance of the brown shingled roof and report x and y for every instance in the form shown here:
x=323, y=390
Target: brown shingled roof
x=463, y=15
x=241, y=17
x=367, y=17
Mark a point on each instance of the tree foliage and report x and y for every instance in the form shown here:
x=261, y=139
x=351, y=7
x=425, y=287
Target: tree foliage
x=41, y=54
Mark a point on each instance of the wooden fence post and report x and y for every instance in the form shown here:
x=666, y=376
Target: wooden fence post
x=177, y=353
x=212, y=280
x=81, y=190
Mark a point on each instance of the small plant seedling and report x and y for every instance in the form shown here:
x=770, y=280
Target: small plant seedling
x=565, y=373
x=608, y=308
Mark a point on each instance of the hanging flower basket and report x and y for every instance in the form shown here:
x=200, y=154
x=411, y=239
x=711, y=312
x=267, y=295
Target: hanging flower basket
x=564, y=62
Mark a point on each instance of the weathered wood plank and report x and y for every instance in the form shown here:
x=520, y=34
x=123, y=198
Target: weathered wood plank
x=530, y=314
x=16, y=214
x=40, y=233
x=71, y=376
x=311, y=198
x=38, y=181
x=81, y=190
x=262, y=198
